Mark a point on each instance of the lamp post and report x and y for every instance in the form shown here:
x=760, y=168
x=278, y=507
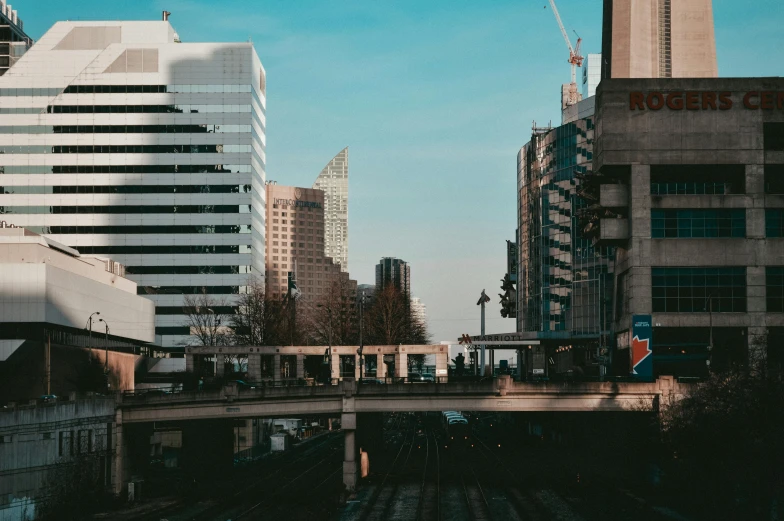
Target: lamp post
x=106, y=359
x=709, y=305
x=361, y=327
x=90, y=329
x=328, y=351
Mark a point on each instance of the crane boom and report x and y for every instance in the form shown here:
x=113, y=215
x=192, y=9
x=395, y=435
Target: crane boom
x=575, y=59
x=561, y=25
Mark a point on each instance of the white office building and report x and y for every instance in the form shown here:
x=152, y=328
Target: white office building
x=592, y=74
x=118, y=140
x=333, y=181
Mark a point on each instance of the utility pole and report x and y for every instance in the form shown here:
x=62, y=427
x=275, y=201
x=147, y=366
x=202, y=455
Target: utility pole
x=361, y=340
x=483, y=299
x=48, y=363
x=90, y=329
x=106, y=354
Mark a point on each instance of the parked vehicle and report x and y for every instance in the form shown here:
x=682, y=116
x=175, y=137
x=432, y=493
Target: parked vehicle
x=428, y=377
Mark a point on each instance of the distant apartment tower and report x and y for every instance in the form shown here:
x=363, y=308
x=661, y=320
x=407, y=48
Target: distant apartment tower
x=118, y=140
x=658, y=39
x=592, y=74
x=13, y=40
x=393, y=271
x=333, y=181
x=419, y=310
x=295, y=242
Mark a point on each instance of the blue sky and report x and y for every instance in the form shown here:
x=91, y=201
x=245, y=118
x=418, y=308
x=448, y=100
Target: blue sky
x=434, y=99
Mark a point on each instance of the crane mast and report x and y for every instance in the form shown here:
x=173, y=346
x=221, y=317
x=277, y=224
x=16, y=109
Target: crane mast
x=575, y=59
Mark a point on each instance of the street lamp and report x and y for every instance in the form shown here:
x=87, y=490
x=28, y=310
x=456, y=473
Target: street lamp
x=90, y=329
x=106, y=359
x=328, y=352
x=361, y=328
x=709, y=300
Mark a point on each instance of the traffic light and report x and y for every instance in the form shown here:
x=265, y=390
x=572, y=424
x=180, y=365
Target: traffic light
x=508, y=298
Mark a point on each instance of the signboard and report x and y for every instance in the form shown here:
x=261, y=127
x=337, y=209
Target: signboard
x=642, y=347
x=538, y=371
x=503, y=338
x=511, y=260
x=701, y=100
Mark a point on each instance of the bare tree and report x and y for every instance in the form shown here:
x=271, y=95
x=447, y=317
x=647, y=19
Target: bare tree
x=390, y=320
x=724, y=441
x=207, y=318
x=334, y=319
x=259, y=320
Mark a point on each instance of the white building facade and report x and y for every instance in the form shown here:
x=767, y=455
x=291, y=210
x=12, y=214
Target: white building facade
x=592, y=74
x=333, y=181
x=118, y=140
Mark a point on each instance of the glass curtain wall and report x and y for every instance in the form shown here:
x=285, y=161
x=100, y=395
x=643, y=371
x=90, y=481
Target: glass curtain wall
x=565, y=285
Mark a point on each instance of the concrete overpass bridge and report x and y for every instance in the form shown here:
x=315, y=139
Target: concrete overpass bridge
x=347, y=400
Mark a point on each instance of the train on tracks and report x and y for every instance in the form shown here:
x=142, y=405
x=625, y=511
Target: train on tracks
x=457, y=430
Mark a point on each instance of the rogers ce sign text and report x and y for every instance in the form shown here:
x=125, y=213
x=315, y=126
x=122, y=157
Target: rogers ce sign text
x=694, y=100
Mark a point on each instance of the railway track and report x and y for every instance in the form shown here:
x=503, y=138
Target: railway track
x=380, y=503
x=429, y=504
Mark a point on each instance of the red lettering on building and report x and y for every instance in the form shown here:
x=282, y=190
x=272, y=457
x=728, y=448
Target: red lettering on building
x=675, y=100
x=655, y=100
x=692, y=101
x=708, y=100
x=767, y=100
x=695, y=100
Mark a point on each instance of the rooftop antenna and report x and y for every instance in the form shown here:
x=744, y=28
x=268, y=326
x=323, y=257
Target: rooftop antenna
x=166, y=15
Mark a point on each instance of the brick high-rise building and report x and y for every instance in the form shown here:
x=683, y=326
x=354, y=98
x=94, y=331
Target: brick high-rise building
x=295, y=237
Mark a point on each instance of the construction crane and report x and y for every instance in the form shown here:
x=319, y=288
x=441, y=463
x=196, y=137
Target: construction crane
x=575, y=59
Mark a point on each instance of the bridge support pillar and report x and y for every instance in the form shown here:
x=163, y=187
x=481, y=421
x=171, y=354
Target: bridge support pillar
x=120, y=473
x=442, y=363
x=276, y=374
x=220, y=365
x=401, y=364
x=254, y=367
x=300, y=366
x=381, y=368
x=189, y=363
x=348, y=422
x=335, y=365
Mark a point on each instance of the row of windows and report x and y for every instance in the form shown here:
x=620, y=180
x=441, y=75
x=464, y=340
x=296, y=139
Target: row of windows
x=177, y=229
x=136, y=109
x=129, y=209
x=187, y=270
x=164, y=250
x=145, y=89
x=125, y=149
x=172, y=330
x=125, y=169
x=690, y=290
x=685, y=223
x=191, y=290
x=124, y=129
x=127, y=89
x=692, y=188
x=140, y=189
x=180, y=310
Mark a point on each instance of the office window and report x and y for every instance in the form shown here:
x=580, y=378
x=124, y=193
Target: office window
x=689, y=290
x=686, y=223
x=773, y=136
x=698, y=179
x=774, y=222
x=774, y=289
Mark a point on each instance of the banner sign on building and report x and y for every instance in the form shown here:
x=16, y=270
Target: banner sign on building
x=642, y=347
x=511, y=260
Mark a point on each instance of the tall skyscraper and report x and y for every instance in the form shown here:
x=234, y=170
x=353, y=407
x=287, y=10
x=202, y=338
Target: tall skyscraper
x=295, y=238
x=419, y=310
x=13, y=40
x=658, y=39
x=333, y=181
x=118, y=140
x=393, y=271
